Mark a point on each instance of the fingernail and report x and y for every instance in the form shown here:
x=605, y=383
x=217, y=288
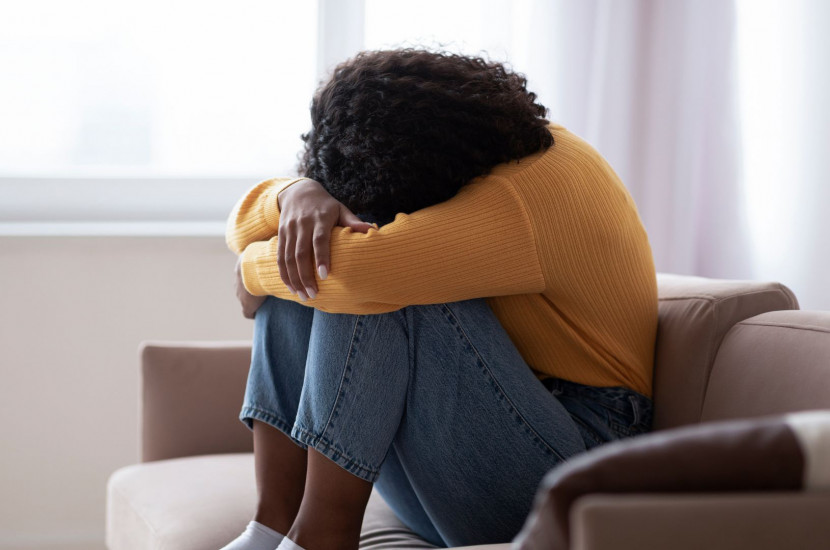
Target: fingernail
x=302, y=296
x=291, y=289
x=322, y=272
x=310, y=292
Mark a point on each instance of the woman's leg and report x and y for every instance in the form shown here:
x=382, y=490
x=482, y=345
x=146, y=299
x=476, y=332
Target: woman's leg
x=280, y=346
x=339, y=481
x=364, y=391
x=444, y=389
x=481, y=431
x=331, y=514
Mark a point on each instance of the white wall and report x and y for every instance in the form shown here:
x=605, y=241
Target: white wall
x=72, y=313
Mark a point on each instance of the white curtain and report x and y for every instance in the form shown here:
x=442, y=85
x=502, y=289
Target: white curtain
x=715, y=113
x=650, y=84
x=785, y=123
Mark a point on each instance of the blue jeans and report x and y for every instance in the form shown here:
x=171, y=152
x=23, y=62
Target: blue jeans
x=434, y=405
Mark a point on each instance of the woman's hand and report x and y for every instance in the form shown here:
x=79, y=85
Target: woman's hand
x=307, y=215
x=250, y=303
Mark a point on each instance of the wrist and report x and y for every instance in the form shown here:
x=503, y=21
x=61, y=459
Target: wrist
x=297, y=185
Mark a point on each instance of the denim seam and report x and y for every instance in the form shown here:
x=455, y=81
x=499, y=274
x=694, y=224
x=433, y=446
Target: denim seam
x=337, y=455
x=408, y=323
x=346, y=368
x=268, y=414
x=268, y=417
x=501, y=391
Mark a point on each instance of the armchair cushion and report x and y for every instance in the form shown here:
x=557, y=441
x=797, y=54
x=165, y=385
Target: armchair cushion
x=782, y=453
x=204, y=502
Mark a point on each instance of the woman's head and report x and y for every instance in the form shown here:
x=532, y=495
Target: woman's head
x=400, y=130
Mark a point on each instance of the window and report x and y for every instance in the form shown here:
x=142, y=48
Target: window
x=185, y=88
x=127, y=110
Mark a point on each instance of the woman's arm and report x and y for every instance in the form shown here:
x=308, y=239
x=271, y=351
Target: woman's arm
x=255, y=217
x=311, y=213
x=479, y=243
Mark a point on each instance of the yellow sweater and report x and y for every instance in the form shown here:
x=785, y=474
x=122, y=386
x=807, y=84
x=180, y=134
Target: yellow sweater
x=554, y=241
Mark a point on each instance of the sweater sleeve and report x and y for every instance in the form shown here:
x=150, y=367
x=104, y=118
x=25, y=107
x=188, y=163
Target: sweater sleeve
x=479, y=243
x=256, y=216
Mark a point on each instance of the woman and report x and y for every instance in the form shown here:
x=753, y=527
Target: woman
x=486, y=329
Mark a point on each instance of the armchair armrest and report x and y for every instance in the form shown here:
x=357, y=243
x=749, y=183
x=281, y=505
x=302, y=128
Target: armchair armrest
x=190, y=399
x=761, y=521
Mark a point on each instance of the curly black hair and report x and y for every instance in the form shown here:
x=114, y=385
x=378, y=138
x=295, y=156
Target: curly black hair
x=399, y=130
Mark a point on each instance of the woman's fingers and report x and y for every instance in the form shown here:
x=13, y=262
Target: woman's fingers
x=348, y=219
x=289, y=254
x=308, y=213
x=321, y=241
x=281, y=240
x=304, y=256
x=302, y=246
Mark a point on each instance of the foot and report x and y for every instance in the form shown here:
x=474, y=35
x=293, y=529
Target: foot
x=288, y=544
x=256, y=536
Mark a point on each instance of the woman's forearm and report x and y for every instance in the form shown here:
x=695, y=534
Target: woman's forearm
x=479, y=243
x=255, y=217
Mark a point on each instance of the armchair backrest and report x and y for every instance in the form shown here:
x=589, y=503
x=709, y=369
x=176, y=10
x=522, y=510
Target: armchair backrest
x=774, y=363
x=695, y=315
x=191, y=394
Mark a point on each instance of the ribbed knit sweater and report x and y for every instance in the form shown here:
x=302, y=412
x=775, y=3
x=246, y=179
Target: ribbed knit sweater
x=553, y=241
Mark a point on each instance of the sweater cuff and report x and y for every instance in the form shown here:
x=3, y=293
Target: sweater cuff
x=257, y=274
x=272, y=205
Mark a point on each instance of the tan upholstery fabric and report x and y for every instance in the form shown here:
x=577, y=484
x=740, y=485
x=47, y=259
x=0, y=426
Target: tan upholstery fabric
x=738, y=456
x=758, y=521
x=695, y=314
x=773, y=363
x=191, y=397
x=382, y=529
x=202, y=503
x=196, y=503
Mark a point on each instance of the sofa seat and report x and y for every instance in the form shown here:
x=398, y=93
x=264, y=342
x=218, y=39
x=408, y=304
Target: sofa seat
x=155, y=506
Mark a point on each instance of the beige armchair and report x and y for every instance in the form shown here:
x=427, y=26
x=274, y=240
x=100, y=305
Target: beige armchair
x=725, y=349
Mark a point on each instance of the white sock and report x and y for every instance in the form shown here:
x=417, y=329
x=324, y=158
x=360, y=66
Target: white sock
x=256, y=536
x=288, y=544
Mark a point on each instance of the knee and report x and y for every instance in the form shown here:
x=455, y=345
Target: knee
x=346, y=331
x=267, y=310
x=269, y=303
x=275, y=313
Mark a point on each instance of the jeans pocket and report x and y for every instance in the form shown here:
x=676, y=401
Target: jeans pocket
x=643, y=413
x=604, y=414
x=629, y=413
